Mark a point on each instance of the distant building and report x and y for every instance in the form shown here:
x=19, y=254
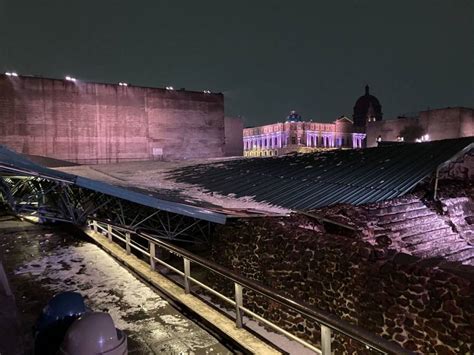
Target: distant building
x=296, y=135
x=367, y=109
x=233, y=144
x=429, y=125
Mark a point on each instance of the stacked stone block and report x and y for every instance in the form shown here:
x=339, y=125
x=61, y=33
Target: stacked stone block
x=425, y=305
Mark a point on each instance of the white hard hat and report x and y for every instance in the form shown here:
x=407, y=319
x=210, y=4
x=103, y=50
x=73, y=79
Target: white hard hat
x=94, y=333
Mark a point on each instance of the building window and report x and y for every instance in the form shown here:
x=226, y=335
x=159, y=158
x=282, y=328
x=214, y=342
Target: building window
x=342, y=142
x=293, y=140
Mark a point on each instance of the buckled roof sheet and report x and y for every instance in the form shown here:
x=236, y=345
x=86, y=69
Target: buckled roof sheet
x=306, y=181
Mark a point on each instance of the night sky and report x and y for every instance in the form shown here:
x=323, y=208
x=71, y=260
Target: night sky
x=267, y=57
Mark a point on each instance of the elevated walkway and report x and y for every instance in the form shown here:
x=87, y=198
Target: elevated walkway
x=41, y=262
x=143, y=253
x=240, y=336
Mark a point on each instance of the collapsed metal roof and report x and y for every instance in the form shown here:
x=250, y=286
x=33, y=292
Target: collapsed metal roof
x=146, y=199
x=16, y=164
x=306, y=181
x=297, y=182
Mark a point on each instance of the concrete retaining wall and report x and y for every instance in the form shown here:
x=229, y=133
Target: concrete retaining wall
x=234, y=144
x=101, y=123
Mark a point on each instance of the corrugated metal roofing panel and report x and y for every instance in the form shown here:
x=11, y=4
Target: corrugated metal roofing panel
x=14, y=162
x=319, y=179
x=150, y=201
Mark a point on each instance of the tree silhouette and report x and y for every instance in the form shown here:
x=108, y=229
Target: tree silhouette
x=412, y=132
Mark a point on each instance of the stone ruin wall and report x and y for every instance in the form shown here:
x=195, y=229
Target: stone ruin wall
x=427, y=306
x=460, y=211
x=460, y=169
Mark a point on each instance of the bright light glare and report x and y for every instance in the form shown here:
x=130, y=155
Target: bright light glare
x=11, y=73
x=123, y=84
x=424, y=138
x=70, y=78
x=207, y=91
x=169, y=88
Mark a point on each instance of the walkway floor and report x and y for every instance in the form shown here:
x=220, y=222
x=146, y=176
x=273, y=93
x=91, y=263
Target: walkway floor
x=10, y=334
x=41, y=262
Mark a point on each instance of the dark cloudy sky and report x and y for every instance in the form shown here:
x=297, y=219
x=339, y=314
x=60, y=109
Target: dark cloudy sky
x=267, y=57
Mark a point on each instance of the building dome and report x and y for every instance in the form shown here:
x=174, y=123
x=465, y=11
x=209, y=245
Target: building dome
x=294, y=117
x=367, y=108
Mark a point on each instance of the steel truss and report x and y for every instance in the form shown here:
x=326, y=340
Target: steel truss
x=52, y=201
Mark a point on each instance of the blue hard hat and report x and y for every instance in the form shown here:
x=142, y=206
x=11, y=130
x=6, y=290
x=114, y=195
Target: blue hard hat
x=55, y=319
x=61, y=306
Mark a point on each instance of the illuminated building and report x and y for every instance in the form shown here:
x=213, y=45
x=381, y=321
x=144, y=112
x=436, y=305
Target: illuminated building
x=296, y=135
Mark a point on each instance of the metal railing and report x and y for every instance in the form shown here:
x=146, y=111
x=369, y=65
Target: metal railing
x=327, y=322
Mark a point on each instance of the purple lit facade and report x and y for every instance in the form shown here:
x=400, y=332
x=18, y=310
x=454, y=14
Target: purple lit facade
x=283, y=138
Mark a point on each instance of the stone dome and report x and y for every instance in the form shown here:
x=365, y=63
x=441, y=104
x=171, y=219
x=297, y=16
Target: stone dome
x=366, y=109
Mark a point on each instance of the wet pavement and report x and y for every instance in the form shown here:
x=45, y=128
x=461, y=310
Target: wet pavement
x=42, y=261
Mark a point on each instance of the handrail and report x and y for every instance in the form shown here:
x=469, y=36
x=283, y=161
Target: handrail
x=325, y=319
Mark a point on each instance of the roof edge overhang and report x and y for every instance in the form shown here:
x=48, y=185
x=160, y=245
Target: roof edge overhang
x=17, y=164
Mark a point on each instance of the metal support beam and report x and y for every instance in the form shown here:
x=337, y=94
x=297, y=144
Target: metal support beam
x=109, y=232
x=152, y=256
x=187, y=274
x=238, y=305
x=435, y=192
x=50, y=200
x=127, y=243
x=325, y=340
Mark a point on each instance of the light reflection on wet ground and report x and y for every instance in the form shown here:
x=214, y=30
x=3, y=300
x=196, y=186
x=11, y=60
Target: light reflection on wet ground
x=42, y=262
